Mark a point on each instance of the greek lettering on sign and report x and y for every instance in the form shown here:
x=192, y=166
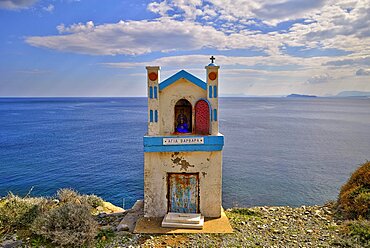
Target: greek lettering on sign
x=183, y=141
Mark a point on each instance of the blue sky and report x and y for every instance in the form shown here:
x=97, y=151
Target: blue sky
x=264, y=48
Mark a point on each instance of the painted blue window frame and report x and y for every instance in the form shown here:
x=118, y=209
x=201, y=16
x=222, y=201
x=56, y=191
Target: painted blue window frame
x=215, y=91
x=151, y=116
x=210, y=91
x=215, y=114
x=211, y=113
x=155, y=92
x=156, y=116
x=150, y=92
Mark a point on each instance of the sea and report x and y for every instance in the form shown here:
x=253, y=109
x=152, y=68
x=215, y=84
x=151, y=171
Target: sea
x=278, y=151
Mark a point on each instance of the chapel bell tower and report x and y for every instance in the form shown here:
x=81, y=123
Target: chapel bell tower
x=212, y=94
x=183, y=147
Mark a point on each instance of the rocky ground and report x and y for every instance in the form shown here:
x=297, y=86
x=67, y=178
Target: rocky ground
x=306, y=226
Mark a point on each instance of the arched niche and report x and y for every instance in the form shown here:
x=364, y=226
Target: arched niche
x=202, y=115
x=183, y=117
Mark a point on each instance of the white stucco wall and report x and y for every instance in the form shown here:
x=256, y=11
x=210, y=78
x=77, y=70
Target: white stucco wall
x=158, y=164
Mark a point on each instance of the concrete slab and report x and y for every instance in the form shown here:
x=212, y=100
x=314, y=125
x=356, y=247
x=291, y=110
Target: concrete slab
x=182, y=218
x=198, y=225
x=130, y=219
x=211, y=225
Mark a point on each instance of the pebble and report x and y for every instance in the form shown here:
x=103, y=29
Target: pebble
x=122, y=227
x=11, y=243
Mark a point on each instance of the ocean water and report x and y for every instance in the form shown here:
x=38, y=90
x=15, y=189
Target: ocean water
x=278, y=151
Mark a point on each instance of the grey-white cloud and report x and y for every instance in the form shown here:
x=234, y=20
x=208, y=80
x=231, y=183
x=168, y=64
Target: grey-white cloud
x=140, y=37
x=50, y=8
x=349, y=62
x=16, y=4
x=131, y=37
x=287, y=9
x=319, y=79
x=237, y=10
x=363, y=72
x=167, y=34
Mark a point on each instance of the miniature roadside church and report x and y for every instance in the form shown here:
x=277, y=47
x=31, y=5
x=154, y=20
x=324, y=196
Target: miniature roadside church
x=183, y=148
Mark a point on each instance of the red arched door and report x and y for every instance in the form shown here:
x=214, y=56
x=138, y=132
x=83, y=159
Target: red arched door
x=201, y=117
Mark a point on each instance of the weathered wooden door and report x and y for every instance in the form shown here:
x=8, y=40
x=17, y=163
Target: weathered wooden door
x=202, y=117
x=183, y=192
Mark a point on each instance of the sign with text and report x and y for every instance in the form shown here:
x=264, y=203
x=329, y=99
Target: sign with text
x=183, y=141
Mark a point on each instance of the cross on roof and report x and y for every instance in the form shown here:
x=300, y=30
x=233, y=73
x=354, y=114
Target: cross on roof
x=212, y=59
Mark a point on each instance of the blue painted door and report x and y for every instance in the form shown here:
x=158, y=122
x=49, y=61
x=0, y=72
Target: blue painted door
x=183, y=191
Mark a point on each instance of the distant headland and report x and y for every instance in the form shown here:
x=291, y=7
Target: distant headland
x=300, y=96
x=353, y=94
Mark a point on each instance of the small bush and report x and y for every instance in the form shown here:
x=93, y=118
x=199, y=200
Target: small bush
x=17, y=212
x=92, y=200
x=70, y=224
x=354, y=197
x=359, y=232
x=70, y=195
x=67, y=195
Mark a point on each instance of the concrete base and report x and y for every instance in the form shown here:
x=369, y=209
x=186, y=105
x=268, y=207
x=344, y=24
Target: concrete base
x=211, y=225
x=183, y=218
x=180, y=220
x=184, y=225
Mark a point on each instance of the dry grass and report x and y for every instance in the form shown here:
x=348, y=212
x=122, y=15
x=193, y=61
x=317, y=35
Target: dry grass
x=354, y=197
x=66, y=220
x=72, y=196
x=69, y=224
x=17, y=212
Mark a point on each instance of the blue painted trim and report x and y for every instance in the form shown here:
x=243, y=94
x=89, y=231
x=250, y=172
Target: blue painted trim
x=215, y=91
x=215, y=114
x=155, y=92
x=150, y=92
x=210, y=91
x=208, y=140
x=184, y=148
x=156, y=115
x=187, y=76
x=155, y=144
x=206, y=100
x=151, y=115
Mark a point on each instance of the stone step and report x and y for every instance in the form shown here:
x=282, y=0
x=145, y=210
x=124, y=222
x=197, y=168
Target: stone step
x=183, y=218
x=184, y=225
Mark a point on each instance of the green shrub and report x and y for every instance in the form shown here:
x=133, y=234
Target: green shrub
x=17, y=212
x=359, y=232
x=91, y=200
x=67, y=195
x=354, y=197
x=69, y=224
x=70, y=195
